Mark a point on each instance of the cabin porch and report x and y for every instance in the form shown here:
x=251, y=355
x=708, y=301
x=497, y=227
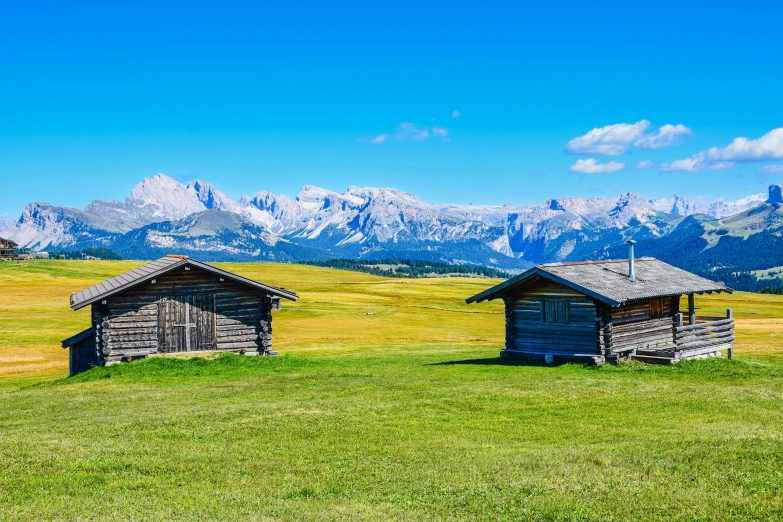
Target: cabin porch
x=695, y=336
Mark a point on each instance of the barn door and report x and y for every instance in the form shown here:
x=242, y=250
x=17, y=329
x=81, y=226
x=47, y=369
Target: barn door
x=186, y=323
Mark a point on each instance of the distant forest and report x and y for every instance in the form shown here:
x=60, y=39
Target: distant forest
x=731, y=261
x=100, y=253
x=412, y=268
x=727, y=262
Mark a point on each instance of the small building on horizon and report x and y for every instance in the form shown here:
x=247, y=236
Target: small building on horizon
x=171, y=305
x=607, y=311
x=7, y=249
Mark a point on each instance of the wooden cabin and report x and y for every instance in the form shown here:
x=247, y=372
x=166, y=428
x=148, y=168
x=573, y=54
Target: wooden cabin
x=174, y=304
x=606, y=311
x=7, y=249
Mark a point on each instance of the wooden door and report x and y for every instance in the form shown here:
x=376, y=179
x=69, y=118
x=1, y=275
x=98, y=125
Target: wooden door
x=186, y=323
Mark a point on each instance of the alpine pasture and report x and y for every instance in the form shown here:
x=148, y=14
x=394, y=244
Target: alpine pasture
x=403, y=414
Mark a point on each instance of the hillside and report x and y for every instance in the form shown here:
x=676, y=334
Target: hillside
x=732, y=249
x=406, y=414
x=418, y=312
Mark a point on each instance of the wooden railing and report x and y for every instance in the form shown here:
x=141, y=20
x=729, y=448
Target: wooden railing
x=704, y=334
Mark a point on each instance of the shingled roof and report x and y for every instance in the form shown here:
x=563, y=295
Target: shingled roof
x=157, y=268
x=608, y=281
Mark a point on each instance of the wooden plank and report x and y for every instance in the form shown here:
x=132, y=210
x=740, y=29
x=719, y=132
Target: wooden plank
x=705, y=332
x=704, y=350
x=239, y=345
x=702, y=325
x=699, y=344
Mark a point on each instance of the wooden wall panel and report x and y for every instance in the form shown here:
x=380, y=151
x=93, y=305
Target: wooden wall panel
x=127, y=325
x=634, y=328
x=527, y=332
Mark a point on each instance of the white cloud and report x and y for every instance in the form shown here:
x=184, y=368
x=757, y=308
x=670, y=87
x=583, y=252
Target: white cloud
x=611, y=140
x=695, y=163
x=667, y=136
x=767, y=147
x=692, y=164
x=771, y=169
x=741, y=150
x=409, y=131
x=617, y=139
x=590, y=166
x=455, y=114
x=644, y=164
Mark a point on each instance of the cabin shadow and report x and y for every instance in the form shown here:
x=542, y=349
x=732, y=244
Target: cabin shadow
x=503, y=361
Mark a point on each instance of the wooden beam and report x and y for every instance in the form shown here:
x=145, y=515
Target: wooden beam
x=730, y=315
x=691, y=309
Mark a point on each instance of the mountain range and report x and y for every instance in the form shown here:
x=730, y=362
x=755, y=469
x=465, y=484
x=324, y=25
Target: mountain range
x=162, y=215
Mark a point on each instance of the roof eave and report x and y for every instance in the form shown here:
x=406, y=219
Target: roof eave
x=281, y=292
x=67, y=343
x=185, y=261
x=121, y=289
x=492, y=293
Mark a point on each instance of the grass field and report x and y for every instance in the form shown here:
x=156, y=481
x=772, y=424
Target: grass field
x=406, y=414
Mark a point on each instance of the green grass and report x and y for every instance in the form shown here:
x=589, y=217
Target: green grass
x=407, y=414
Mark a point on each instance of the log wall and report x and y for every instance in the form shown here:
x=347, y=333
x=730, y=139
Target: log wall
x=528, y=333
x=127, y=325
x=632, y=327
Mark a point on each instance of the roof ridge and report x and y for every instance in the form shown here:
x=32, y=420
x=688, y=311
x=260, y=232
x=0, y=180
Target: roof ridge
x=596, y=261
x=655, y=278
x=157, y=267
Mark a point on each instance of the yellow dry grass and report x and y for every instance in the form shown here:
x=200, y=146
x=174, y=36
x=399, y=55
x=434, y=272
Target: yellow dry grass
x=331, y=317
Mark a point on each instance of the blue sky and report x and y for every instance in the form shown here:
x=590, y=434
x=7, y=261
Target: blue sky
x=95, y=97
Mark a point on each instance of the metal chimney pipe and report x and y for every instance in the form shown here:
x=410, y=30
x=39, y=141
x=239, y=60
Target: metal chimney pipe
x=631, y=271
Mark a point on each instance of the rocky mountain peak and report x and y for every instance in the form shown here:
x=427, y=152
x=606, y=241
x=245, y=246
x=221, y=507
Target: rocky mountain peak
x=212, y=198
x=162, y=197
x=6, y=223
x=362, y=220
x=775, y=194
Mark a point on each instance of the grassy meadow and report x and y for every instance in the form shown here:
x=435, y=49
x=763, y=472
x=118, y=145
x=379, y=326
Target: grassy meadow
x=404, y=414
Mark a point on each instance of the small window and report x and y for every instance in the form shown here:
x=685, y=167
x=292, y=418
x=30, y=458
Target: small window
x=553, y=311
x=656, y=307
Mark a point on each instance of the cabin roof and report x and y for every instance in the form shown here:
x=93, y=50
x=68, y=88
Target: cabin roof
x=608, y=281
x=157, y=268
x=8, y=242
x=81, y=336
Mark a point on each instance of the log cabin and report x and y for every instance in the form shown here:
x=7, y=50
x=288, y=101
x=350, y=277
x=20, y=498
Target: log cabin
x=7, y=248
x=175, y=304
x=608, y=311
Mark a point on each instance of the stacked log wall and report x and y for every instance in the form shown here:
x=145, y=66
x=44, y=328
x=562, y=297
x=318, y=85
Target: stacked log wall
x=127, y=325
x=633, y=328
x=527, y=332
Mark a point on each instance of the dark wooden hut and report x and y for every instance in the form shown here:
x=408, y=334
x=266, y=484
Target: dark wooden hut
x=7, y=248
x=605, y=311
x=174, y=304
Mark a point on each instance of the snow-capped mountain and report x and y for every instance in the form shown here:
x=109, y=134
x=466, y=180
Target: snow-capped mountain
x=6, y=223
x=43, y=226
x=213, y=234
x=681, y=206
x=161, y=213
x=722, y=209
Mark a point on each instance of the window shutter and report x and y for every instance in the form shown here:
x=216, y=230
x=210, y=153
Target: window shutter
x=554, y=311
